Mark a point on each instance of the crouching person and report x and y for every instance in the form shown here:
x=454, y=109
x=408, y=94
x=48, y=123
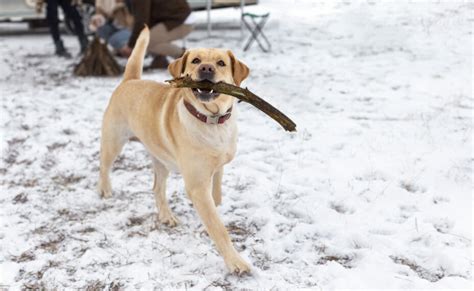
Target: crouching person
x=167, y=21
x=112, y=22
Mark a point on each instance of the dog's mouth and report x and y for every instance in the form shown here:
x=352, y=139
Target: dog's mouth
x=205, y=94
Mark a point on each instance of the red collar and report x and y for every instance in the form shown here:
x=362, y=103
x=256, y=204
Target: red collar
x=214, y=119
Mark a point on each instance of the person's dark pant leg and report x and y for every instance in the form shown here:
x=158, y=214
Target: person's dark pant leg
x=71, y=13
x=52, y=19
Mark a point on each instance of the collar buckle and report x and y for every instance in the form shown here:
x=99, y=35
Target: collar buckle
x=214, y=119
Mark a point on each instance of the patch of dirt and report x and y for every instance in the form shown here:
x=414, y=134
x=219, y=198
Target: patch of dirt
x=261, y=260
x=285, y=228
x=56, y=145
x=68, y=215
x=79, y=252
x=68, y=131
x=125, y=163
x=53, y=244
x=411, y=187
x=66, y=180
x=87, y=229
x=34, y=286
x=443, y=225
x=137, y=220
x=11, y=154
x=221, y=284
x=16, y=141
x=24, y=257
x=440, y=199
x=48, y=162
x=33, y=279
x=419, y=270
x=27, y=183
x=341, y=208
x=99, y=285
x=137, y=234
x=20, y=198
x=240, y=232
x=344, y=259
x=41, y=230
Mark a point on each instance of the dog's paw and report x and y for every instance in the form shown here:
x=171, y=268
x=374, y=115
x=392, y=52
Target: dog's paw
x=237, y=265
x=167, y=218
x=104, y=192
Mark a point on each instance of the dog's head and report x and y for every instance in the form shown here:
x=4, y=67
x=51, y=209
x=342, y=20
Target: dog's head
x=214, y=65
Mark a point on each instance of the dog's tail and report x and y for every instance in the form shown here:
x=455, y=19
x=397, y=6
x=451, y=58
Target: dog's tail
x=134, y=67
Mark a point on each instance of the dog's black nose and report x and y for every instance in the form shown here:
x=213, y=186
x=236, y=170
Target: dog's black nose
x=206, y=68
x=206, y=72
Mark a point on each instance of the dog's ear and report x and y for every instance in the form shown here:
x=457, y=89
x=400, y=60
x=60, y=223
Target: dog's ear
x=239, y=70
x=177, y=67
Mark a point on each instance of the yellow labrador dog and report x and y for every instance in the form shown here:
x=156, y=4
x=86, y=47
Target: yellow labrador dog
x=187, y=130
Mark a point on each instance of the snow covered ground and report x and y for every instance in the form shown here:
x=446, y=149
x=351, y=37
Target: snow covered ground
x=373, y=191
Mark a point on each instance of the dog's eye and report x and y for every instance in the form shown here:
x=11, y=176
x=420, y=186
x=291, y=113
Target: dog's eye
x=221, y=63
x=196, y=61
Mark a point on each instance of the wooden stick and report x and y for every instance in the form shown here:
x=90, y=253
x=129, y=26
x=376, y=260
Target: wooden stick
x=239, y=93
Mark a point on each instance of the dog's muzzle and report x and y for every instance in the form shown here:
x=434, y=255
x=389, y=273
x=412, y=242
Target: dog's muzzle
x=205, y=95
x=206, y=72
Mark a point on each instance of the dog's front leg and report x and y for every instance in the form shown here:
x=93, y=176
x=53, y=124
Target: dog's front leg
x=217, y=186
x=199, y=187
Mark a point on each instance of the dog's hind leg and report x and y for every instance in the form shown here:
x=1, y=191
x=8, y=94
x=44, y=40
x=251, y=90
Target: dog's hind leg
x=112, y=140
x=217, y=186
x=165, y=214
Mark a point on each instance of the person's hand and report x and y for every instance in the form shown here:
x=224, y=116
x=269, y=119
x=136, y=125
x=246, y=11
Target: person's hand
x=39, y=6
x=96, y=21
x=125, y=51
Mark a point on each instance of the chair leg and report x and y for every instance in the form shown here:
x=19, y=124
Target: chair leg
x=258, y=28
x=251, y=38
x=254, y=34
x=256, y=31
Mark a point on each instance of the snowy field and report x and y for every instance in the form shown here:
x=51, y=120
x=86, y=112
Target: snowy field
x=373, y=191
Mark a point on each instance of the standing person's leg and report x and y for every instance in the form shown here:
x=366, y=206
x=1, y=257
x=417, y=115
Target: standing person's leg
x=161, y=38
x=72, y=14
x=53, y=23
x=52, y=19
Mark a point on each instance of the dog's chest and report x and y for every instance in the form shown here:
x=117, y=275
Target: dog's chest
x=220, y=138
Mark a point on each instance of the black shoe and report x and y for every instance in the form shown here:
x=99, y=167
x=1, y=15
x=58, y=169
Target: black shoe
x=159, y=62
x=61, y=50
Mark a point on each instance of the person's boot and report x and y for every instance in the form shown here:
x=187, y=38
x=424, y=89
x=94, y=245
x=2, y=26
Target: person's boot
x=61, y=50
x=84, y=43
x=159, y=62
